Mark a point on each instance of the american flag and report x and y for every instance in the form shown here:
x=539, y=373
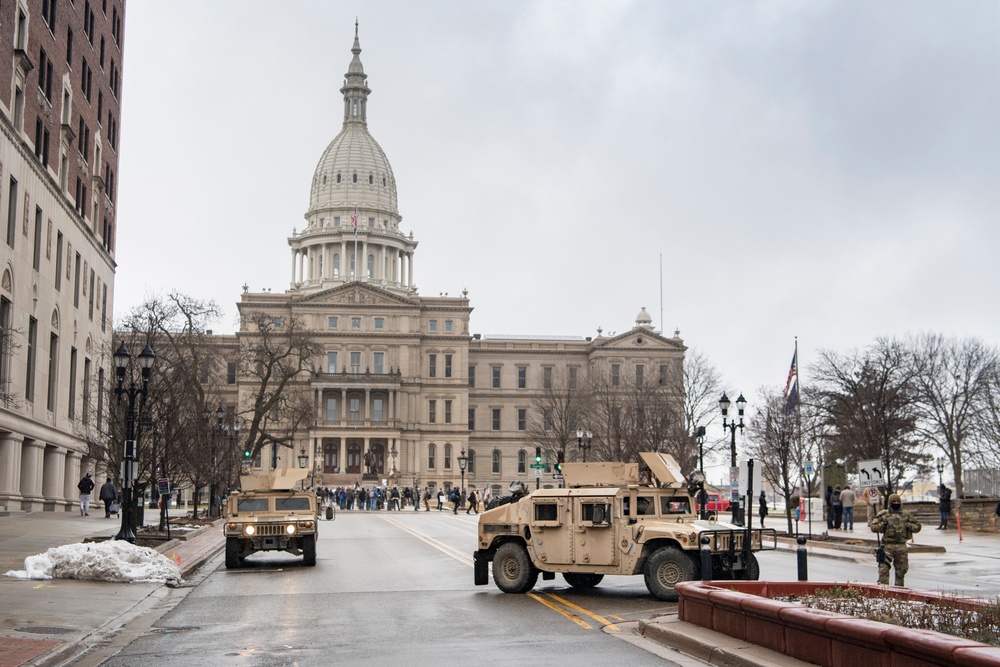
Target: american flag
x=354, y=221
x=793, y=372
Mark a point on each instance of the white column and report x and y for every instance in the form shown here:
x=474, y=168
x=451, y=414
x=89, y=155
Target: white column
x=31, y=469
x=10, y=468
x=53, y=469
x=295, y=256
x=71, y=474
x=409, y=268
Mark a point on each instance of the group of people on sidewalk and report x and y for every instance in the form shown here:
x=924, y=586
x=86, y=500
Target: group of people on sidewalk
x=108, y=495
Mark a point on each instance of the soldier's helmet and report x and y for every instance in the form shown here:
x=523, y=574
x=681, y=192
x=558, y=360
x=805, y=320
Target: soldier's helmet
x=894, y=498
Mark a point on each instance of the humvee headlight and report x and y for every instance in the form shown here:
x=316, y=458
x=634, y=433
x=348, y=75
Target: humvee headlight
x=290, y=529
x=249, y=529
x=231, y=526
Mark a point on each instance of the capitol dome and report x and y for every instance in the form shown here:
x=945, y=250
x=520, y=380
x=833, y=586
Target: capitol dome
x=353, y=171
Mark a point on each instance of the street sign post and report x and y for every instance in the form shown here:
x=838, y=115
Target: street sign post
x=538, y=465
x=871, y=472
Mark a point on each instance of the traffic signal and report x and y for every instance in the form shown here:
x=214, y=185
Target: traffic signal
x=559, y=461
x=246, y=452
x=538, y=454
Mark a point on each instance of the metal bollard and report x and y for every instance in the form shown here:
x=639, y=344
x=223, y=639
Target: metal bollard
x=802, y=555
x=706, y=559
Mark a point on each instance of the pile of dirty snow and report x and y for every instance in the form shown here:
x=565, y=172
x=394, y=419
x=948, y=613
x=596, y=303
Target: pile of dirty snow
x=114, y=560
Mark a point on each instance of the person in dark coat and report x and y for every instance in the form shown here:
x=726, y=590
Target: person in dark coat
x=829, y=506
x=944, y=506
x=763, y=507
x=86, y=486
x=107, y=495
x=838, y=507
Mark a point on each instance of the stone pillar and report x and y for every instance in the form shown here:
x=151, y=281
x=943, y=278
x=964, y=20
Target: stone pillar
x=10, y=471
x=71, y=475
x=409, y=269
x=52, y=473
x=31, y=474
x=295, y=256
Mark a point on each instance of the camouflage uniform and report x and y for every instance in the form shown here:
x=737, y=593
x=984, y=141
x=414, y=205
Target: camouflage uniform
x=896, y=528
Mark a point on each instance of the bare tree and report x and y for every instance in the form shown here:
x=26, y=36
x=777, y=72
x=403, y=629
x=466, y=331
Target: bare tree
x=275, y=359
x=772, y=441
x=867, y=399
x=556, y=414
x=951, y=380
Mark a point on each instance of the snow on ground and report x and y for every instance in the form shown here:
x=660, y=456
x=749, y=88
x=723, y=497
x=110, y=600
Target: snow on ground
x=114, y=560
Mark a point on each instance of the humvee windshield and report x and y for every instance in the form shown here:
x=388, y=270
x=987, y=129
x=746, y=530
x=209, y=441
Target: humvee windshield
x=670, y=505
x=252, y=505
x=288, y=504
x=645, y=506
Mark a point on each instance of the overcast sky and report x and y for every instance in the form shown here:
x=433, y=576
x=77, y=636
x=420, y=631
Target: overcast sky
x=826, y=170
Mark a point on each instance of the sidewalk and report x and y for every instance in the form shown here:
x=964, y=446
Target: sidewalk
x=49, y=622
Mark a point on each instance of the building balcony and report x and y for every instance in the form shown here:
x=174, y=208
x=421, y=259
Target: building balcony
x=392, y=379
x=352, y=424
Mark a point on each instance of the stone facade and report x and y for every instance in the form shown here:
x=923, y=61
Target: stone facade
x=59, y=118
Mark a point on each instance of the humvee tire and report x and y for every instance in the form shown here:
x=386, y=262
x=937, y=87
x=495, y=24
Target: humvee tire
x=665, y=568
x=232, y=553
x=512, y=569
x=754, y=568
x=582, y=581
x=309, y=550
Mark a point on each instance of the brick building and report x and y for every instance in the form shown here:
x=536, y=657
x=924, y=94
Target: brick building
x=59, y=119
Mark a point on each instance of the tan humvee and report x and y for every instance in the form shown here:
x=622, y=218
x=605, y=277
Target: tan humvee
x=608, y=521
x=268, y=514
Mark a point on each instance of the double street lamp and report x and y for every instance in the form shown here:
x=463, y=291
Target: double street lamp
x=463, y=461
x=940, y=468
x=741, y=404
x=136, y=394
x=583, y=439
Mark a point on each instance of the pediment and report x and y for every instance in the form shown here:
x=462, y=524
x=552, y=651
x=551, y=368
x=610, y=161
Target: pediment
x=638, y=338
x=356, y=294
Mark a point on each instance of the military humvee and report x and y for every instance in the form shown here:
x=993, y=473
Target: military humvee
x=268, y=514
x=609, y=522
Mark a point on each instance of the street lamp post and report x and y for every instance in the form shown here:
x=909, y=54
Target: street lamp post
x=463, y=461
x=699, y=433
x=741, y=404
x=940, y=468
x=135, y=394
x=303, y=462
x=583, y=439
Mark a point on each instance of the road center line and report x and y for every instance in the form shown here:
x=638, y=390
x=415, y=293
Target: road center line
x=440, y=546
x=573, y=617
x=600, y=619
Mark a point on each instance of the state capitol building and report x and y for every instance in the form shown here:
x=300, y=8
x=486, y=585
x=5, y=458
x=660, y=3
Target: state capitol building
x=402, y=379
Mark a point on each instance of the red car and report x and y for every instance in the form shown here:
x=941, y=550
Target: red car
x=714, y=502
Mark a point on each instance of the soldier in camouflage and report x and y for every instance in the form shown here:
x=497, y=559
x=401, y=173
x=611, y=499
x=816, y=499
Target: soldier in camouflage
x=896, y=527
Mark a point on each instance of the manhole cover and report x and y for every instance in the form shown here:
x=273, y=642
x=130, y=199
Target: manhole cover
x=44, y=630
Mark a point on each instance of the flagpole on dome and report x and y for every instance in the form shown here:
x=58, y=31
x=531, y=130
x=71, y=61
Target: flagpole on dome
x=354, y=224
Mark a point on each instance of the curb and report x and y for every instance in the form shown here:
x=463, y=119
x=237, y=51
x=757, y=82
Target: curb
x=713, y=648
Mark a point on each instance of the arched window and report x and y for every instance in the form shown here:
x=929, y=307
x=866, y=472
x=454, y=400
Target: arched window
x=324, y=179
x=431, y=456
x=371, y=179
x=353, y=268
x=472, y=462
x=338, y=178
x=447, y=456
x=355, y=177
x=496, y=461
x=336, y=265
x=522, y=462
x=371, y=265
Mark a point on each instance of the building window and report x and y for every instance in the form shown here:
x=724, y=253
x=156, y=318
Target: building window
x=472, y=419
x=432, y=365
x=86, y=390
x=472, y=376
x=663, y=375
x=231, y=372
x=496, y=419
x=522, y=377
x=90, y=298
x=377, y=409
x=331, y=322
x=355, y=322
x=640, y=372
x=76, y=282
x=355, y=406
x=379, y=323
x=547, y=419
x=447, y=456
x=100, y=395
x=378, y=360
x=279, y=322
x=331, y=409
x=29, y=380
x=432, y=411
x=496, y=376
x=59, y=255
x=572, y=377
x=12, y=213
x=447, y=365
x=71, y=411
x=616, y=371
x=5, y=341
x=496, y=462
x=522, y=419
x=447, y=412
x=36, y=255
x=471, y=465
x=547, y=377
x=433, y=325
x=448, y=326
x=522, y=462
x=431, y=455
x=53, y=368
x=331, y=362
x=355, y=362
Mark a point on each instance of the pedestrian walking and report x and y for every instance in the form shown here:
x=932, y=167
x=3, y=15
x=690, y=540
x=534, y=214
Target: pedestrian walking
x=838, y=507
x=456, y=499
x=763, y=507
x=427, y=499
x=828, y=502
x=473, y=503
x=944, y=506
x=895, y=527
x=873, y=501
x=847, y=500
x=86, y=486
x=440, y=499
x=108, y=494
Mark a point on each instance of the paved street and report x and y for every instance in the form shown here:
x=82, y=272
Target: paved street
x=406, y=576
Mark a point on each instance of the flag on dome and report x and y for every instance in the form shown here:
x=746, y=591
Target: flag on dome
x=793, y=372
x=354, y=220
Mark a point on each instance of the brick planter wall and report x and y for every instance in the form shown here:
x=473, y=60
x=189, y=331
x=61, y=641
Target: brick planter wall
x=746, y=611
